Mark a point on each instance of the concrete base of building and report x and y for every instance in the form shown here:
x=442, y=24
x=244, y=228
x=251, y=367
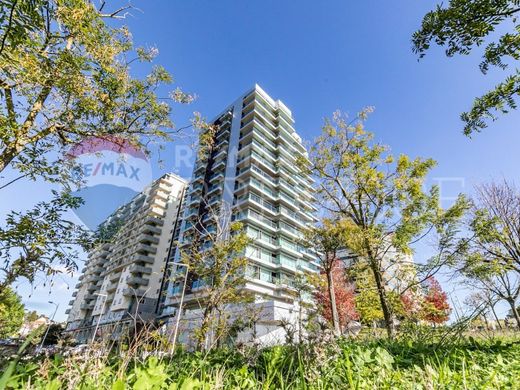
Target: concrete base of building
x=262, y=323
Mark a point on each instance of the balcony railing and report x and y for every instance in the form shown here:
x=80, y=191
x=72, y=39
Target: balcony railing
x=134, y=268
x=135, y=280
x=130, y=292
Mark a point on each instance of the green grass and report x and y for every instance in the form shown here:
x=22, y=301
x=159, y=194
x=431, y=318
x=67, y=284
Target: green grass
x=406, y=364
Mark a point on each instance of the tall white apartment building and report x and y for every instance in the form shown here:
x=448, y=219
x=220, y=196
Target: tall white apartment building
x=252, y=170
x=122, y=278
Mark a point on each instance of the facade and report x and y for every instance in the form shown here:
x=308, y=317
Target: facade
x=122, y=278
x=251, y=170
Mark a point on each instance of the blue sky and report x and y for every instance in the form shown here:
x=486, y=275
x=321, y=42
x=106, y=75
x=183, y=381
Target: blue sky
x=318, y=57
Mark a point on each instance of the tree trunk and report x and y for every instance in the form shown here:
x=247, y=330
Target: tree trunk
x=485, y=321
x=492, y=306
x=300, y=322
x=204, y=327
x=8, y=155
x=387, y=313
x=514, y=311
x=334, y=308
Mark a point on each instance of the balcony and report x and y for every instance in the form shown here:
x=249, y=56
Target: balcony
x=151, y=229
x=220, y=155
x=221, y=145
x=111, y=287
x=192, y=212
x=219, y=164
x=216, y=177
x=92, y=278
x=156, y=202
x=146, y=248
x=288, y=229
x=264, y=189
x=254, y=216
x=192, y=201
x=255, y=199
x=307, y=266
x=114, y=276
x=130, y=292
x=290, y=248
x=196, y=188
x=147, y=238
x=135, y=269
x=154, y=221
x=214, y=200
x=288, y=262
x=262, y=160
x=199, y=177
x=162, y=195
x=222, y=133
x=136, y=280
x=86, y=306
x=292, y=216
x=144, y=259
x=200, y=167
x=214, y=189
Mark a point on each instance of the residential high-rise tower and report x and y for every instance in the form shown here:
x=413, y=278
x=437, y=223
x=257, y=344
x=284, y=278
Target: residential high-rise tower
x=252, y=170
x=121, y=281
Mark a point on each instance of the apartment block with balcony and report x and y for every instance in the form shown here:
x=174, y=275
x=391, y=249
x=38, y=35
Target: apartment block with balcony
x=252, y=170
x=122, y=278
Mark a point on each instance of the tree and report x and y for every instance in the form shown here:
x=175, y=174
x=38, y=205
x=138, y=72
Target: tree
x=328, y=240
x=55, y=335
x=481, y=303
x=381, y=198
x=411, y=303
x=31, y=316
x=218, y=266
x=511, y=315
x=302, y=290
x=41, y=240
x=366, y=298
x=463, y=25
x=11, y=312
x=493, y=256
x=502, y=284
x=65, y=75
x=436, y=308
x=343, y=297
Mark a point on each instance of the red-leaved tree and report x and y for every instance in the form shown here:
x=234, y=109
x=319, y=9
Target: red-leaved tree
x=412, y=304
x=344, y=294
x=436, y=308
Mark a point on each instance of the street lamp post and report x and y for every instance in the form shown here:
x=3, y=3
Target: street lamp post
x=99, y=318
x=50, y=322
x=177, y=321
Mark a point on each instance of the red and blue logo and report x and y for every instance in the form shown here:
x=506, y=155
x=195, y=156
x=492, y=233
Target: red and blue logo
x=112, y=171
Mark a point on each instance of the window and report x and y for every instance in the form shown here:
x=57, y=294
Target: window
x=253, y=251
x=265, y=275
x=253, y=271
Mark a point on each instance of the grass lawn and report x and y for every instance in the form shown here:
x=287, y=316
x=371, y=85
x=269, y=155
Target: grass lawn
x=490, y=363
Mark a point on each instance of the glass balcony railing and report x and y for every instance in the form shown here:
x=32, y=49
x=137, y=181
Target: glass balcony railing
x=287, y=261
x=259, y=217
x=262, y=187
x=264, y=161
x=268, y=205
x=264, y=174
